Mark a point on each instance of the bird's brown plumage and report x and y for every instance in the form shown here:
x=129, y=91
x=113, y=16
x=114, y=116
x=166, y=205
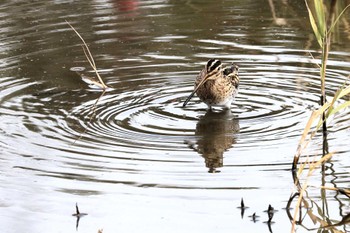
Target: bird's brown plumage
x=216, y=86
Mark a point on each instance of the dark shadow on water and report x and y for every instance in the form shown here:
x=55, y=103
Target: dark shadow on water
x=215, y=132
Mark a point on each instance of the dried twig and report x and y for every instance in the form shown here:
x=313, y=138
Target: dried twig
x=89, y=56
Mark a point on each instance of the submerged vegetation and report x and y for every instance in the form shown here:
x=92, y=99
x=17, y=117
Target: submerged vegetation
x=323, y=23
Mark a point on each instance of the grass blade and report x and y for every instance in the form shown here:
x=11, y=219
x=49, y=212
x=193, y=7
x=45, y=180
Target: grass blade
x=321, y=17
x=339, y=94
x=338, y=108
x=304, y=140
x=314, y=26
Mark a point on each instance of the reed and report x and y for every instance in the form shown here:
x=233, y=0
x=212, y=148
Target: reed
x=314, y=123
x=90, y=58
x=99, y=84
x=322, y=27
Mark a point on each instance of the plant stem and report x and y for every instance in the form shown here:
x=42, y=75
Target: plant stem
x=325, y=51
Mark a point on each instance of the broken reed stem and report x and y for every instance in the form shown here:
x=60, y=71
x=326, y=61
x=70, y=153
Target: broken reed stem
x=302, y=189
x=89, y=56
x=305, y=140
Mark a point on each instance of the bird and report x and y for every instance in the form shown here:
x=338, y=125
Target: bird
x=215, y=85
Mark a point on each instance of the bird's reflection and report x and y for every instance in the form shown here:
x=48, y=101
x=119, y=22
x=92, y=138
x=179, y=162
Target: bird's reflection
x=215, y=133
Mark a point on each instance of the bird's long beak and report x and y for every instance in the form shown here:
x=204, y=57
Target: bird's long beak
x=192, y=94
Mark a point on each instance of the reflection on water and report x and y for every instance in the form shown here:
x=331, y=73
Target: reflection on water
x=215, y=133
x=127, y=5
x=131, y=170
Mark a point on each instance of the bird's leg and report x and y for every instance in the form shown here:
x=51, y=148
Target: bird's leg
x=226, y=109
x=227, y=106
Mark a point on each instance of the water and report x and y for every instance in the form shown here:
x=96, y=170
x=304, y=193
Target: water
x=137, y=161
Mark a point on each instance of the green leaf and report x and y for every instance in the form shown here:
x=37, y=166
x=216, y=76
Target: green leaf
x=321, y=17
x=334, y=109
x=314, y=26
x=339, y=107
x=344, y=91
x=339, y=94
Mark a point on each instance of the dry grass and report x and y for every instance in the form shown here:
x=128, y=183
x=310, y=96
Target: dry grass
x=90, y=58
x=322, y=29
x=100, y=83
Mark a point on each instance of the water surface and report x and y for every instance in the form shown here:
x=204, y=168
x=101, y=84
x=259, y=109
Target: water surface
x=132, y=157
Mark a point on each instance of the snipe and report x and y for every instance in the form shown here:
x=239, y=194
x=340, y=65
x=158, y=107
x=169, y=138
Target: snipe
x=216, y=86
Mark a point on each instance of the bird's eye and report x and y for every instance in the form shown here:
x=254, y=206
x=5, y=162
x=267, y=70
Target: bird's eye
x=228, y=71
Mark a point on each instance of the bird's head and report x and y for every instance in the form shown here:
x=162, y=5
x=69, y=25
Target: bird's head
x=213, y=70
x=232, y=70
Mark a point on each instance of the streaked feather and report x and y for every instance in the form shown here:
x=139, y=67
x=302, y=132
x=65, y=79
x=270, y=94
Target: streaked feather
x=216, y=86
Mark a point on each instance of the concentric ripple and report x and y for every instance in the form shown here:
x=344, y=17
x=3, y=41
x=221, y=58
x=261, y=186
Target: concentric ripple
x=146, y=122
x=134, y=158
x=153, y=118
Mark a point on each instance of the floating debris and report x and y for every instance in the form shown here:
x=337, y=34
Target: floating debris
x=242, y=207
x=270, y=209
x=90, y=58
x=77, y=69
x=78, y=215
x=77, y=212
x=91, y=81
x=254, y=217
x=270, y=212
x=269, y=226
